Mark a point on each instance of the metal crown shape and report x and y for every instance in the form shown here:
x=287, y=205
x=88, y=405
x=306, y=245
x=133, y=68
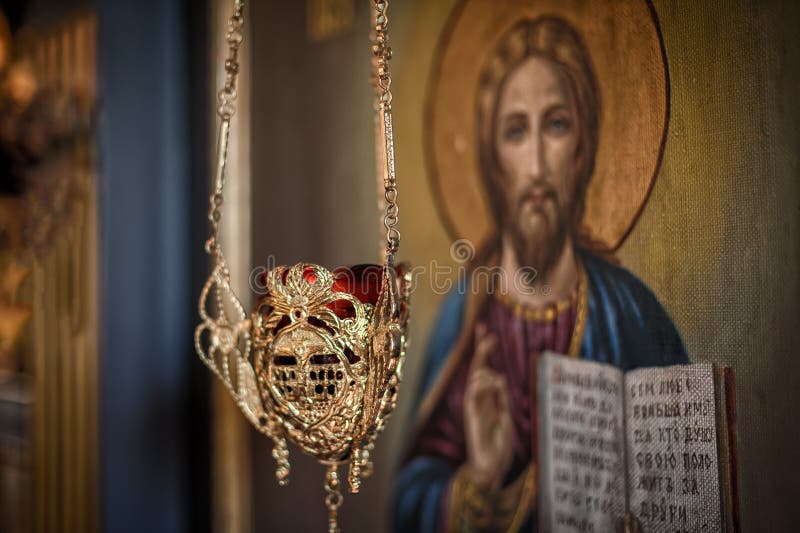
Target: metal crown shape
x=325, y=366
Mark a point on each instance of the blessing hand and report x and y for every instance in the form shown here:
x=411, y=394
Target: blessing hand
x=487, y=417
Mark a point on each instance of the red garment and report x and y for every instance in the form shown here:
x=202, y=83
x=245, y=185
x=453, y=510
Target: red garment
x=519, y=341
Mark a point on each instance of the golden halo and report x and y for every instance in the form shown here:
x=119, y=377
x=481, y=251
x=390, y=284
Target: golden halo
x=627, y=52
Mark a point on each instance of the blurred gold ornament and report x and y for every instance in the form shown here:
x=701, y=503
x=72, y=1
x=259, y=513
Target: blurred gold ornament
x=319, y=362
x=5, y=41
x=13, y=316
x=13, y=278
x=13, y=319
x=21, y=83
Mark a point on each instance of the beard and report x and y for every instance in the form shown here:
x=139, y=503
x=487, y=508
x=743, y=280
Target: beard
x=539, y=230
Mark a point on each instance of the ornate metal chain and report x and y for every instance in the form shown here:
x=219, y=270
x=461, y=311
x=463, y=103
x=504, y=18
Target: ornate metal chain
x=333, y=496
x=226, y=97
x=229, y=333
x=381, y=54
x=226, y=109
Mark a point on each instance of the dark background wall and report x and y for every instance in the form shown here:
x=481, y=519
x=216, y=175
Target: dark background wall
x=153, y=181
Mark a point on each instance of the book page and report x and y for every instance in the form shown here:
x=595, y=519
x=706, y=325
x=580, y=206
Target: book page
x=671, y=433
x=581, y=439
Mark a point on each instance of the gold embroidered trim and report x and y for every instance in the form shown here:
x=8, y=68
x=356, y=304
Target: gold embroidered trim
x=581, y=314
x=526, y=500
x=537, y=314
x=474, y=509
x=551, y=311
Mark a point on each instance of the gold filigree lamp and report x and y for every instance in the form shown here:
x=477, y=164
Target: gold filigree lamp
x=319, y=361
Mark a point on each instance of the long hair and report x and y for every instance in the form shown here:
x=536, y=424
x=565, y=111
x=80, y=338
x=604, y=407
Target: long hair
x=553, y=39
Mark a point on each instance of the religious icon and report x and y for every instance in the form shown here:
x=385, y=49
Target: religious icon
x=547, y=122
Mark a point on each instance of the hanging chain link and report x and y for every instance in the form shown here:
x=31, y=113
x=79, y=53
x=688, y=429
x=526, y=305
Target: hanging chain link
x=226, y=99
x=381, y=54
x=333, y=496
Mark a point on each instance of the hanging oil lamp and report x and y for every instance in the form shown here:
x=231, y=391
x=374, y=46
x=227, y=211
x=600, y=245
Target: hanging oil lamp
x=318, y=362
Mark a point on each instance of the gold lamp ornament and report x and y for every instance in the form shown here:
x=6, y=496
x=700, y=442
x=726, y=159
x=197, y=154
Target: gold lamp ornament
x=319, y=360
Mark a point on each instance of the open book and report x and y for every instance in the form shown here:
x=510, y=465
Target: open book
x=657, y=444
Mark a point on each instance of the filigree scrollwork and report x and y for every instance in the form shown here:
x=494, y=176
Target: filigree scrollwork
x=223, y=342
x=310, y=360
x=327, y=365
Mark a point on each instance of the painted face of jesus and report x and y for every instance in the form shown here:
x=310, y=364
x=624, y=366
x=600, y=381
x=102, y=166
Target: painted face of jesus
x=536, y=139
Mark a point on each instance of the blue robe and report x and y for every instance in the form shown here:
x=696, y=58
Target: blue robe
x=626, y=327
